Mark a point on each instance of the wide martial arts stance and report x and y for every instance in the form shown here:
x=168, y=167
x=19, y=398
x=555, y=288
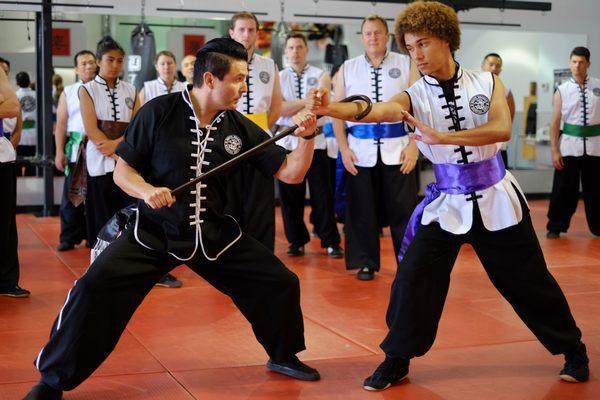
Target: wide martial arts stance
x=173, y=139
x=460, y=116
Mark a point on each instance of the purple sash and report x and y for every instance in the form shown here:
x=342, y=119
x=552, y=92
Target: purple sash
x=454, y=179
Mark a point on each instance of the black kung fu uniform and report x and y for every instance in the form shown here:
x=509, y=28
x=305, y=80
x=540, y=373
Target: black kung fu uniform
x=168, y=147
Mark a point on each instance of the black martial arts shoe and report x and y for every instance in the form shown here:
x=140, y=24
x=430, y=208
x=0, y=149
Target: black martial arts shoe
x=576, y=367
x=16, y=291
x=552, y=235
x=41, y=391
x=295, y=251
x=335, y=251
x=294, y=368
x=65, y=246
x=365, y=274
x=169, y=281
x=391, y=370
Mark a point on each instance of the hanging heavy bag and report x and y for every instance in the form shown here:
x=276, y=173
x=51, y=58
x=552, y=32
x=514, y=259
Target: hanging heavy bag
x=140, y=63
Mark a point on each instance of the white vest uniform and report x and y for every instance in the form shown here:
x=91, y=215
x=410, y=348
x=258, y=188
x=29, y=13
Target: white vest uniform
x=257, y=100
x=74, y=122
x=110, y=105
x=158, y=87
x=330, y=141
x=28, y=101
x=295, y=87
x=499, y=204
x=580, y=106
x=380, y=84
x=7, y=151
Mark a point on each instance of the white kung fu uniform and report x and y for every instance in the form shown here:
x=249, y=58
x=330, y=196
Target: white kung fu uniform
x=104, y=198
x=489, y=214
x=256, y=213
x=28, y=142
x=295, y=86
x=580, y=149
x=380, y=194
x=158, y=87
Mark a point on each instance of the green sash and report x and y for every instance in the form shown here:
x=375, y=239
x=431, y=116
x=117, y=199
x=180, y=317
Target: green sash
x=581, y=131
x=28, y=124
x=74, y=138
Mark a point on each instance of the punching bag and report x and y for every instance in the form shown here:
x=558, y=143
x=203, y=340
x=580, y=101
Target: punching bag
x=336, y=53
x=278, y=36
x=140, y=63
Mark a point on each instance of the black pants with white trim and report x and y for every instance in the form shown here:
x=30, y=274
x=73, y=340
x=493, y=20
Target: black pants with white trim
x=377, y=196
x=565, y=193
x=9, y=257
x=103, y=300
x=72, y=219
x=514, y=262
x=321, y=202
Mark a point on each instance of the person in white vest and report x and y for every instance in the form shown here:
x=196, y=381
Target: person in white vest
x=381, y=187
x=187, y=68
x=165, y=65
x=107, y=105
x=11, y=127
x=9, y=262
x=460, y=116
x=296, y=80
x=69, y=134
x=492, y=62
x=261, y=104
x=28, y=99
x=575, y=153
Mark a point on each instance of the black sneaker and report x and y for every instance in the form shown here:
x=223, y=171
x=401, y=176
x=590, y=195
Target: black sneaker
x=42, y=391
x=576, y=367
x=365, y=274
x=294, y=368
x=552, y=235
x=65, y=246
x=295, y=251
x=15, y=291
x=169, y=281
x=335, y=251
x=389, y=371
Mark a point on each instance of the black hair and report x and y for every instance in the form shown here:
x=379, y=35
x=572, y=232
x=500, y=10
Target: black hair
x=82, y=53
x=492, y=55
x=5, y=61
x=107, y=44
x=22, y=79
x=582, y=52
x=296, y=35
x=215, y=57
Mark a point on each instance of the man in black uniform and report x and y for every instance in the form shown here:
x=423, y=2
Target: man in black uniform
x=173, y=139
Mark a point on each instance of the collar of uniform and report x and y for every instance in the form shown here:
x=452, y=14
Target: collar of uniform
x=102, y=81
x=301, y=72
x=430, y=80
x=585, y=81
x=160, y=80
x=368, y=60
x=188, y=100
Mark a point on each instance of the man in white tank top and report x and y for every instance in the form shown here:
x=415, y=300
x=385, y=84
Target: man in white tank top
x=68, y=136
x=460, y=116
x=381, y=187
x=575, y=153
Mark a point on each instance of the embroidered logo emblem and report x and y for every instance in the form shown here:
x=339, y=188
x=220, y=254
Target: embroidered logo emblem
x=596, y=91
x=395, y=73
x=27, y=103
x=233, y=144
x=129, y=102
x=479, y=104
x=264, y=77
x=312, y=81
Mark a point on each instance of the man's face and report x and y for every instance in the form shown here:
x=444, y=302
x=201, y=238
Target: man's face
x=296, y=51
x=5, y=67
x=226, y=92
x=375, y=37
x=187, y=67
x=492, y=64
x=245, y=32
x=165, y=67
x=111, y=64
x=579, y=65
x=429, y=53
x=86, y=67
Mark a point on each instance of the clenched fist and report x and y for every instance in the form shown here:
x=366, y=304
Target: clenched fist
x=159, y=197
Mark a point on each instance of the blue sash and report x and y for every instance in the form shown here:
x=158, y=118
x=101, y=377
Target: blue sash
x=377, y=131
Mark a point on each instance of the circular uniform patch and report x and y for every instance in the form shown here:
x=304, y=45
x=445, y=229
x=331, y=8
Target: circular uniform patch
x=129, y=102
x=479, y=104
x=264, y=77
x=395, y=73
x=312, y=81
x=233, y=144
x=596, y=91
x=27, y=103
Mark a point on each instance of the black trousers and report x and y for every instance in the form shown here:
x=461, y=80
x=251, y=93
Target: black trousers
x=104, y=198
x=376, y=197
x=26, y=151
x=9, y=258
x=565, y=193
x=514, y=262
x=321, y=202
x=72, y=219
x=103, y=300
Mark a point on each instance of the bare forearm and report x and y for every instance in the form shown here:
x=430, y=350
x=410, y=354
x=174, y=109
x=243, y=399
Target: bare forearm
x=554, y=134
x=95, y=135
x=130, y=181
x=482, y=135
x=297, y=163
x=340, y=133
x=381, y=112
x=289, y=108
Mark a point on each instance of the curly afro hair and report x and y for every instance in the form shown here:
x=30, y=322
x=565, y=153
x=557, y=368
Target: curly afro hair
x=430, y=17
